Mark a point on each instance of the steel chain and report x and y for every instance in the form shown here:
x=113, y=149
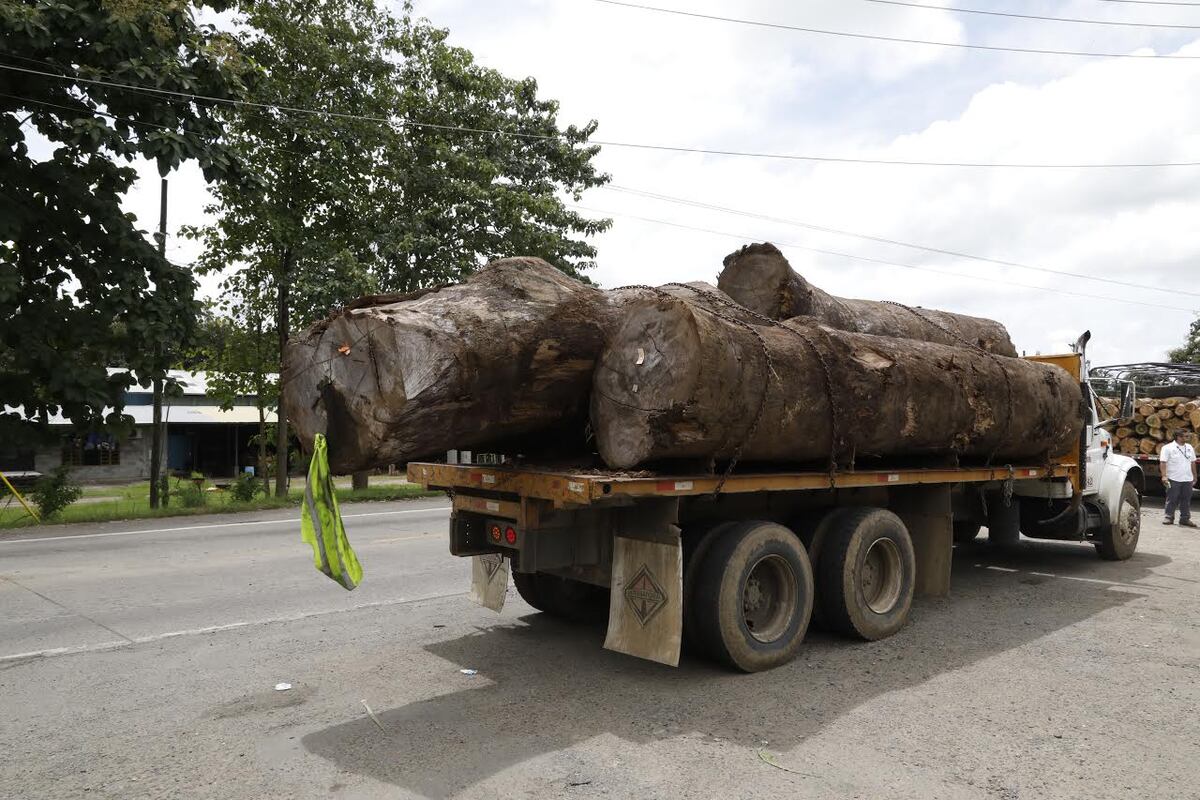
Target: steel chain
x=995, y=360
x=835, y=439
x=768, y=362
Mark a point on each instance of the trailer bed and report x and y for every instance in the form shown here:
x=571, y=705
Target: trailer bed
x=583, y=488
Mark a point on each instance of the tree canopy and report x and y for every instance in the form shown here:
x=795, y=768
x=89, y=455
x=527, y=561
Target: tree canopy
x=81, y=285
x=452, y=194
x=1189, y=351
x=377, y=169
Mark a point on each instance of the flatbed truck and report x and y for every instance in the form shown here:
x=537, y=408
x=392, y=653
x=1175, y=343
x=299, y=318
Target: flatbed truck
x=738, y=565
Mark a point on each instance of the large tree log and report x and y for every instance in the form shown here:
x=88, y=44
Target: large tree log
x=676, y=381
x=508, y=352
x=760, y=278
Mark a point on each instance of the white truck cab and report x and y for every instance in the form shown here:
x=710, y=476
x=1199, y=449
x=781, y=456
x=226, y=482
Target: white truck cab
x=1106, y=510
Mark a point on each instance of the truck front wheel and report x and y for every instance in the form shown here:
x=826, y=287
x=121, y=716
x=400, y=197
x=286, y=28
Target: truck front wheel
x=867, y=573
x=753, y=596
x=1119, y=540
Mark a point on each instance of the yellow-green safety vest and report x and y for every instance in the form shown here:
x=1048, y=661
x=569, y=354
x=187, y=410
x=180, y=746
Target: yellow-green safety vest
x=321, y=522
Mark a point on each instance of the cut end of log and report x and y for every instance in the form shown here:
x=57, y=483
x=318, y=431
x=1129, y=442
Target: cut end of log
x=507, y=353
x=760, y=278
x=649, y=370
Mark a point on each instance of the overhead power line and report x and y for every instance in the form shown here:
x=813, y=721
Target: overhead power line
x=839, y=254
x=133, y=121
x=899, y=39
x=725, y=209
x=601, y=142
x=897, y=242
x=1077, y=20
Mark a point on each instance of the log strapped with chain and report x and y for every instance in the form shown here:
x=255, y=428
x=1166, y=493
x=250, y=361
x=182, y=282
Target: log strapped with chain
x=674, y=377
x=759, y=277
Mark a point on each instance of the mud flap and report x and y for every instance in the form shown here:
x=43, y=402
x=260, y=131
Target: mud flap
x=489, y=580
x=645, y=613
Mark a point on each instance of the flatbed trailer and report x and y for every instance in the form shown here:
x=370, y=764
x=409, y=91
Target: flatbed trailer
x=738, y=564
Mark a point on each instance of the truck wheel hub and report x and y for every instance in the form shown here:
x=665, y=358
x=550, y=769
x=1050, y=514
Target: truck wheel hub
x=879, y=577
x=769, y=598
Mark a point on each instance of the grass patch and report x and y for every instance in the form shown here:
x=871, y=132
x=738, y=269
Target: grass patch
x=132, y=502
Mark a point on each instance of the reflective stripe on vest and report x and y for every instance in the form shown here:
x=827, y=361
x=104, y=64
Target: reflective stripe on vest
x=321, y=522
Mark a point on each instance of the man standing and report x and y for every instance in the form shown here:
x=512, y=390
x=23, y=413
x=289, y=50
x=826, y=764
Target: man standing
x=1179, y=476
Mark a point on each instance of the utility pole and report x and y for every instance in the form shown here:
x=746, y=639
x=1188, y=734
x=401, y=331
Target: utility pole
x=156, y=431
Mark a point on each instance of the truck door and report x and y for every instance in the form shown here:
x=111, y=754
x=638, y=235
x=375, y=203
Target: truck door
x=1098, y=442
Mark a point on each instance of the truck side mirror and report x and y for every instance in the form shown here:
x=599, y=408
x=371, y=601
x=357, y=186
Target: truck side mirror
x=1128, y=395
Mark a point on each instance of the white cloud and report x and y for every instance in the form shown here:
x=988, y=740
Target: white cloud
x=657, y=78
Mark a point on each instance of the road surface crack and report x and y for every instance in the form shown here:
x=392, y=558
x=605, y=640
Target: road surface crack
x=68, y=609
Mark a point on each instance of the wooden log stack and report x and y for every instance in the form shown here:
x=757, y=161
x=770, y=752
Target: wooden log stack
x=1153, y=424
x=523, y=359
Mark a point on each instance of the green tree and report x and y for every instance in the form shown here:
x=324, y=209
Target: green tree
x=288, y=244
x=452, y=199
x=1189, y=352
x=374, y=193
x=81, y=286
x=241, y=359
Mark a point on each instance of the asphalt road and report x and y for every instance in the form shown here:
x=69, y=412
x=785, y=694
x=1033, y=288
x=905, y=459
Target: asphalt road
x=139, y=660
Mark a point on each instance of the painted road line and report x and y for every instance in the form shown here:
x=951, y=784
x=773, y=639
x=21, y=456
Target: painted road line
x=404, y=539
x=67, y=536
x=1079, y=578
x=230, y=626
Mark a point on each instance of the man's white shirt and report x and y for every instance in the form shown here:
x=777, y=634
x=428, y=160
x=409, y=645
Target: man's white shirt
x=1178, y=459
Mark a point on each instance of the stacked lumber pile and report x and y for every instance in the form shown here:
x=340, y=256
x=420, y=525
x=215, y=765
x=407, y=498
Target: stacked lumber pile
x=1153, y=424
x=523, y=359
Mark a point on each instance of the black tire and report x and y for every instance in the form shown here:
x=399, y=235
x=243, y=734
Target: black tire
x=813, y=538
x=753, y=596
x=868, y=572
x=966, y=530
x=1003, y=521
x=527, y=587
x=1119, y=541
x=695, y=548
x=562, y=597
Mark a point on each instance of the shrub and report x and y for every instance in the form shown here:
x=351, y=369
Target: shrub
x=245, y=487
x=56, y=491
x=191, y=492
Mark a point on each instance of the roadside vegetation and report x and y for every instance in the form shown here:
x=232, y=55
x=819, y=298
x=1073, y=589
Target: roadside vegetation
x=111, y=503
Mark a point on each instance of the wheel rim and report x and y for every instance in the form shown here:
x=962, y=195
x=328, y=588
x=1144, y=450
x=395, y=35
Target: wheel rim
x=880, y=576
x=1129, y=523
x=769, y=598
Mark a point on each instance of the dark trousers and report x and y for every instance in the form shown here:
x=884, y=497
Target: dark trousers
x=1179, y=495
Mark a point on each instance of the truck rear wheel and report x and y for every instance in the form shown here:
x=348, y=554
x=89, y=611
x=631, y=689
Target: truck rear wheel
x=527, y=587
x=1120, y=539
x=753, y=596
x=867, y=574
x=562, y=597
x=813, y=537
x=696, y=544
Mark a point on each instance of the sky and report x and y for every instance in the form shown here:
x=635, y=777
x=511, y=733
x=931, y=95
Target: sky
x=1130, y=236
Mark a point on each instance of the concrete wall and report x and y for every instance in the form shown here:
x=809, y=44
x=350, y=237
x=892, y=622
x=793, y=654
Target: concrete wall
x=135, y=462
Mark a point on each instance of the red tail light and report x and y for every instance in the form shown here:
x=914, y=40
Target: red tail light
x=510, y=535
x=496, y=533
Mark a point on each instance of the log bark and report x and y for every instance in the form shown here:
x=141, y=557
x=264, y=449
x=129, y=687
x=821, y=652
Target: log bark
x=760, y=278
x=508, y=352
x=676, y=381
